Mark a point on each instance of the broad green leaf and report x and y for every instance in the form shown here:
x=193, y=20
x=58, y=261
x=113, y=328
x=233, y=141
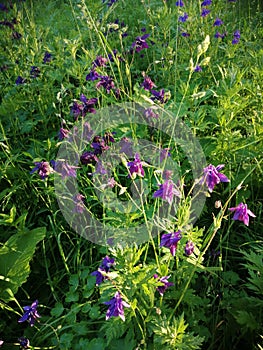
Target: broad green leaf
x=15, y=256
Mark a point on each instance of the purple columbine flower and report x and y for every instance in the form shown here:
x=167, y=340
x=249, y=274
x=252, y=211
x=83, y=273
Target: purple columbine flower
x=47, y=57
x=183, y=18
x=99, y=145
x=79, y=206
x=166, y=283
x=116, y=305
x=159, y=96
x=105, y=266
x=106, y=82
x=236, y=37
x=189, y=248
x=34, y=72
x=24, y=343
x=100, y=62
x=198, y=68
x=93, y=75
x=88, y=157
x=170, y=240
x=135, y=167
x=206, y=3
x=219, y=35
x=242, y=213
x=63, y=133
x=149, y=113
x=185, y=34
x=205, y=12
x=64, y=169
x=20, y=80
x=212, y=176
x=30, y=314
x=167, y=191
x=218, y=22
x=148, y=83
x=43, y=168
x=140, y=43
x=179, y=3
x=88, y=104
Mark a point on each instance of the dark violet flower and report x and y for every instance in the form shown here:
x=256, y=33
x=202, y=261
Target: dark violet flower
x=140, y=43
x=63, y=133
x=100, y=62
x=24, y=343
x=110, y=2
x=189, y=248
x=219, y=35
x=116, y=305
x=106, y=82
x=88, y=157
x=198, y=69
x=64, y=169
x=107, y=263
x=206, y=3
x=105, y=266
x=47, y=57
x=185, y=34
x=148, y=83
x=93, y=75
x=167, y=191
x=108, y=137
x=88, y=105
x=170, y=240
x=99, y=145
x=30, y=314
x=179, y=3
x=166, y=283
x=205, y=12
x=16, y=35
x=43, y=168
x=218, y=22
x=183, y=18
x=99, y=277
x=236, y=36
x=235, y=41
x=159, y=96
x=135, y=167
x=212, y=176
x=242, y=213
x=20, y=80
x=34, y=72
x=76, y=110
x=3, y=7
x=7, y=24
x=232, y=0
x=79, y=206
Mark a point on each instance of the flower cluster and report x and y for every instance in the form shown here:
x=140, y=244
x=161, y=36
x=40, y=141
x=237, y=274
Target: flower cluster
x=103, y=269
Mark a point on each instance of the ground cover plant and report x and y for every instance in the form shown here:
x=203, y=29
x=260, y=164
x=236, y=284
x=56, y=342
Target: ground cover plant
x=131, y=174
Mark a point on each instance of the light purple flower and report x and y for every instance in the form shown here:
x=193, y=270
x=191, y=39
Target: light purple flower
x=166, y=283
x=63, y=133
x=79, y=206
x=212, y=176
x=43, y=168
x=149, y=113
x=242, y=213
x=205, y=12
x=167, y=191
x=106, y=82
x=198, y=69
x=206, y=3
x=100, y=62
x=135, y=167
x=164, y=154
x=116, y=305
x=92, y=75
x=62, y=167
x=30, y=314
x=170, y=240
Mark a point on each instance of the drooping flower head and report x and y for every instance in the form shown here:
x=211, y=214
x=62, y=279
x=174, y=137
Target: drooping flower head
x=24, y=343
x=147, y=83
x=218, y=22
x=183, y=18
x=242, y=213
x=30, y=314
x=212, y=176
x=205, y=12
x=166, y=283
x=179, y=3
x=79, y=206
x=116, y=305
x=140, y=43
x=105, y=266
x=170, y=240
x=106, y=82
x=92, y=75
x=167, y=191
x=135, y=167
x=160, y=96
x=63, y=133
x=189, y=248
x=43, y=168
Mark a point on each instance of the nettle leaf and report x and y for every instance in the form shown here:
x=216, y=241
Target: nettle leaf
x=15, y=256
